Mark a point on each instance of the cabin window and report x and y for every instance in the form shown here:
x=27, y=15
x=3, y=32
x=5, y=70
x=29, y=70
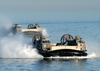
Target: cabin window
x=18, y=27
x=46, y=42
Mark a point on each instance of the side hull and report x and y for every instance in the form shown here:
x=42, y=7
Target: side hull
x=31, y=33
x=63, y=53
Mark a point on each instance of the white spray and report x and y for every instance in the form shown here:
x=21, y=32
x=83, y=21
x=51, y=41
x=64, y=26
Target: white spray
x=14, y=46
x=44, y=32
x=93, y=48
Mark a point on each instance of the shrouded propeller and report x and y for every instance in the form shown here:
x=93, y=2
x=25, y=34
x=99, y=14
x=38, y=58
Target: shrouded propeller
x=65, y=38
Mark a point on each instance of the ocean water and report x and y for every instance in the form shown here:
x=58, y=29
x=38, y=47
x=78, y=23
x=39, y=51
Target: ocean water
x=17, y=52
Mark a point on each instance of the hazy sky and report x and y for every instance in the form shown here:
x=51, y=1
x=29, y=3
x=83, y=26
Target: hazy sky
x=49, y=5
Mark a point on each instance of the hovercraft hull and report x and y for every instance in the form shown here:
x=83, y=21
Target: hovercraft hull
x=30, y=33
x=63, y=53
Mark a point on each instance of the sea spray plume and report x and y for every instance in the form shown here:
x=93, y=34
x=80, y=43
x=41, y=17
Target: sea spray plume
x=5, y=27
x=93, y=48
x=44, y=32
x=92, y=55
x=15, y=47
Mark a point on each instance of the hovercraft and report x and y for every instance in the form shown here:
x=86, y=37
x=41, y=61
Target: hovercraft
x=68, y=46
x=29, y=32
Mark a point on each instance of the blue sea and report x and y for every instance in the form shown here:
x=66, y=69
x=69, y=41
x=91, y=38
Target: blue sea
x=18, y=54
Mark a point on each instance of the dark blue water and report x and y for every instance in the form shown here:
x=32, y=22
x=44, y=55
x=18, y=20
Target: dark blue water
x=16, y=52
x=91, y=64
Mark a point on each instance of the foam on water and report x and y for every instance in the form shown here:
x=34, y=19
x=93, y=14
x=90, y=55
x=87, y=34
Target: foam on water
x=5, y=27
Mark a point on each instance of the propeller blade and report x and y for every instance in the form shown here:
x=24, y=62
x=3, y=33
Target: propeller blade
x=65, y=37
x=37, y=36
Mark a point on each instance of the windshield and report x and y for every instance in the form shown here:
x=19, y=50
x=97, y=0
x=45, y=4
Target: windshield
x=18, y=26
x=46, y=41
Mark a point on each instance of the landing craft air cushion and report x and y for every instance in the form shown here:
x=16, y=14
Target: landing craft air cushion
x=29, y=32
x=67, y=47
